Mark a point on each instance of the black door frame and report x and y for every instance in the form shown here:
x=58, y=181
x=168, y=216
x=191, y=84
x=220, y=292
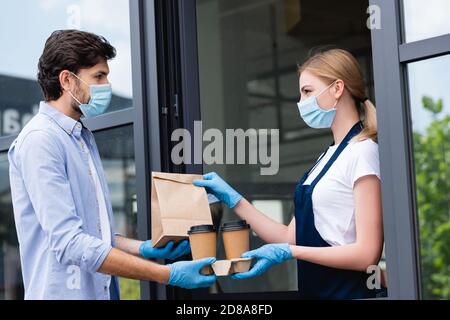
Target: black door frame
x=146, y=121
x=390, y=58
x=395, y=154
x=190, y=108
x=165, y=101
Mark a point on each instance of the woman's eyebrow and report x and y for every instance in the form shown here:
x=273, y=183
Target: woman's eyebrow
x=305, y=86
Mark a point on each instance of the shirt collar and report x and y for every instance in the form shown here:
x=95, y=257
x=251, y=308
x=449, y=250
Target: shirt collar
x=69, y=125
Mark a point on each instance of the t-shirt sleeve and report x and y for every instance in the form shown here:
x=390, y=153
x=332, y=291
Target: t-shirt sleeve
x=365, y=161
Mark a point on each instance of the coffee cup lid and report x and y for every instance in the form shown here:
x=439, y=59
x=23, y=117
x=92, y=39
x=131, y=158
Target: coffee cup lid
x=203, y=228
x=234, y=225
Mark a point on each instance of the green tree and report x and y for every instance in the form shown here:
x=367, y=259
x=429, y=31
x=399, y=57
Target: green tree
x=432, y=156
x=129, y=289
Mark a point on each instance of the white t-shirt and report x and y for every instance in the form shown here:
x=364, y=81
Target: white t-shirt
x=332, y=198
x=103, y=211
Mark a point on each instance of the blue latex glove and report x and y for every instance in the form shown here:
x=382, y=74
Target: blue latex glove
x=266, y=257
x=168, y=252
x=214, y=184
x=186, y=274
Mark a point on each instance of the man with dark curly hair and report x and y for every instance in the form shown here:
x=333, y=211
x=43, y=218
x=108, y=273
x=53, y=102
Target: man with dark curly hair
x=62, y=206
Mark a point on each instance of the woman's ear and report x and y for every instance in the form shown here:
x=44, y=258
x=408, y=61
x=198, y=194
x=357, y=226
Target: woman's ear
x=339, y=87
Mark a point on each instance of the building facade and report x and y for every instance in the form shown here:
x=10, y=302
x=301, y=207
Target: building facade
x=233, y=64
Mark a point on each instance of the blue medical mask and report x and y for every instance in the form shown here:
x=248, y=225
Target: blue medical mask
x=314, y=115
x=101, y=95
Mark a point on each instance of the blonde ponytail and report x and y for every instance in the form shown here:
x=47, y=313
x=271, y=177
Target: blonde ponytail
x=370, y=129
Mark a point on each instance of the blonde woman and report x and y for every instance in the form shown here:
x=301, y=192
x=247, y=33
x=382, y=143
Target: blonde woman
x=337, y=230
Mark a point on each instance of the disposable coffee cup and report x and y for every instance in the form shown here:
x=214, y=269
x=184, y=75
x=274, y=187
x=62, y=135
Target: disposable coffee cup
x=235, y=235
x=203, y=240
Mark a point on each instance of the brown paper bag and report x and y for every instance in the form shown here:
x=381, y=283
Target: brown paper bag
x=177, y=205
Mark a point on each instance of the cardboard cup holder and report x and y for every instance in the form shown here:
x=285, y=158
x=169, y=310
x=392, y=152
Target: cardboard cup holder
x=235, y=235
x=224, y=268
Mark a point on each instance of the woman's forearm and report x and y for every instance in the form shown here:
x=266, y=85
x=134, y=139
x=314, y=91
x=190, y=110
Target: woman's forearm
x=351, y=257
x=267, y=229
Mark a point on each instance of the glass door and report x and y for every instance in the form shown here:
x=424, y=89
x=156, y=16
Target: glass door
x=248, y=52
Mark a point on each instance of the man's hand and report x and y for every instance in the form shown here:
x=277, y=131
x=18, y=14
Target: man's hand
x=186, y=274
x=147, y=250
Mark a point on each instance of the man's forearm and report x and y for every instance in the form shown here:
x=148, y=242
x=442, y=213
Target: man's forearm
x=130, y=246
x=125, y=265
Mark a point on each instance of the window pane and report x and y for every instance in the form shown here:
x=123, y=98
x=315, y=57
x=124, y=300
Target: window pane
x=116, y=149
x=430, y=110
x=117, y=153
x=425, y=19
x=11, y=286
x=34, y=21
x=248, y=55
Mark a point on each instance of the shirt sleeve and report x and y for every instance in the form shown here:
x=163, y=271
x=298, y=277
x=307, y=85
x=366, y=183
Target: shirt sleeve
x=42, y=165
x=364, y=162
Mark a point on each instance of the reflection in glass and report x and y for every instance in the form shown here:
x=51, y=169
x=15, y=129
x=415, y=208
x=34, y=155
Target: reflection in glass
x=11, y=286
x=116, y=149
x=430, y=110
x=425, y=19
x=248, y=56
x=117, y=153
x=28, y=24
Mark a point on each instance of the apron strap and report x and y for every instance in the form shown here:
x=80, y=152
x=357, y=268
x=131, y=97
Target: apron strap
x=306, y=175
x=317, y=162
x=353, y=132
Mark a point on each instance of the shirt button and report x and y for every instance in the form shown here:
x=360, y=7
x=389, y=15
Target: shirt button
x=78, y=125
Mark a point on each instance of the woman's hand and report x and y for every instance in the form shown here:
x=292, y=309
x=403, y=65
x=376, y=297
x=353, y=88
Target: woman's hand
x=214, y=184
x=266, y=257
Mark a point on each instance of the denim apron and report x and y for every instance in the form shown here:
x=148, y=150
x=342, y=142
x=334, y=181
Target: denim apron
x=317, y=281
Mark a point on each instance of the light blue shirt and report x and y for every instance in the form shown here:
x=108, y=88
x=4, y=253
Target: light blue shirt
x=56, y=210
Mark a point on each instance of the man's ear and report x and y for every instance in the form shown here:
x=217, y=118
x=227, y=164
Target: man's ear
x=64, y=80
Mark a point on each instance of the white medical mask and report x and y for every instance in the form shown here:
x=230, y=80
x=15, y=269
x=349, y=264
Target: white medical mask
x=313, y=115
x=101, y=95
